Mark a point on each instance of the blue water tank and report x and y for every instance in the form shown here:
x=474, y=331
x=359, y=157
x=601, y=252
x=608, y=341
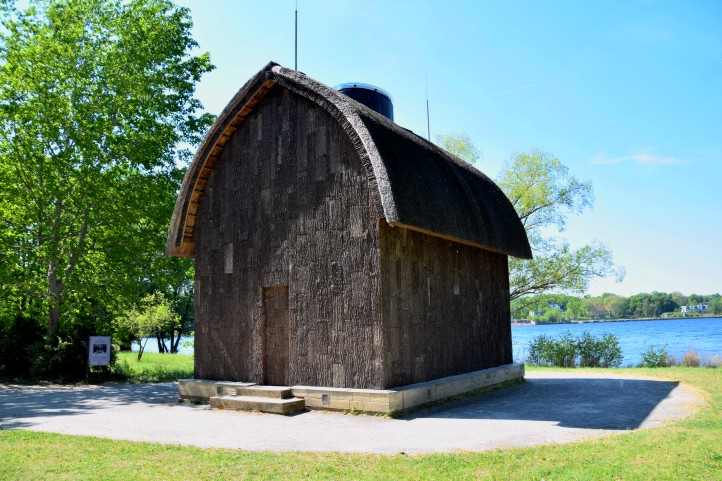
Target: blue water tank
x=371, y=96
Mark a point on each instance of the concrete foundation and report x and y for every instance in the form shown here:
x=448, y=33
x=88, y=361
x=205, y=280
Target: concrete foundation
x=376, y=401
x=404, y=398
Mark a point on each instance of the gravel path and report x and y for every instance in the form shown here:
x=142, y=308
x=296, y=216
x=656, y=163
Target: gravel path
x=548, y=408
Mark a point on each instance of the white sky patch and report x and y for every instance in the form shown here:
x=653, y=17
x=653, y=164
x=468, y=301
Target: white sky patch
x=641, y=158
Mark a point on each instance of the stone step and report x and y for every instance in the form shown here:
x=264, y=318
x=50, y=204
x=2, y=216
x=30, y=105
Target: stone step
x=276, y=392
x=200, y=390
x=229, y=388
x=259, y=403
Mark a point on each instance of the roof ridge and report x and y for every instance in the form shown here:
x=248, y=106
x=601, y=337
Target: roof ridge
x=365, y=110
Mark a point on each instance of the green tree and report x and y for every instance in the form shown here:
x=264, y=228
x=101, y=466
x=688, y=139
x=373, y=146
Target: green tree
x=154, y=316
x=715, y=305
x=173, y=278
x=461, y=146
x=616, y=305
x=544, y=194
x=96, y=100
x=569, y=307
x=577, y=309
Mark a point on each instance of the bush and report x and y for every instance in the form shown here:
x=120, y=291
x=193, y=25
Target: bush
x=539, y=349
x=564, y=351
x=604, y=351
x=57, y=358
x=547, y=351
x=568, y=351
x=64, y=358
x=27, y=353
x=691, y=359
x=656, y=356
x=17, y=338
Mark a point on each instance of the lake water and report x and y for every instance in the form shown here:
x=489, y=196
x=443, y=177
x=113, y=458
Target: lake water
x=679, y=335
x=703, y=335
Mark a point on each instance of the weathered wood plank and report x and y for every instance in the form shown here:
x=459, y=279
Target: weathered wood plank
x=445, y=307
x=283, y=203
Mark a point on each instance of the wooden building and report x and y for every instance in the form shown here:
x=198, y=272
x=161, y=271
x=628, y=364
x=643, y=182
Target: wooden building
x=335, y=248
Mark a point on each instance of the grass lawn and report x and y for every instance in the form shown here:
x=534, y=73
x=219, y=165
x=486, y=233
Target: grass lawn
x=687, y=450
x=154, y=367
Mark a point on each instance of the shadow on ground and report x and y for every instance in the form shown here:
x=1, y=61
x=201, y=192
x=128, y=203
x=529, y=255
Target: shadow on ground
x=589, y=403
x=44, y=401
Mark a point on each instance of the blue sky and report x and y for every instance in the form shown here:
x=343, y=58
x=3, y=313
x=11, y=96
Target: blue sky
x=627, y=94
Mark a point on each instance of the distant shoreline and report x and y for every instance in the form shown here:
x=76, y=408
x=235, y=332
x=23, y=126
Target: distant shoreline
x=597, y=321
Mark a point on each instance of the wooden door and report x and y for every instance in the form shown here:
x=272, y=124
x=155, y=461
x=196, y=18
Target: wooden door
x=276, y=335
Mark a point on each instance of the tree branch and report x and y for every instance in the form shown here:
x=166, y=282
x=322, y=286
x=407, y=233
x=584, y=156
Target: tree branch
x=75, y=255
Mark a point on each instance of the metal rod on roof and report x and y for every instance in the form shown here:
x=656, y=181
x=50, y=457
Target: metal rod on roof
x=295, y=37
x=428, y=123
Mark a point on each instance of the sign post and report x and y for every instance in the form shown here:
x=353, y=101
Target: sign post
x=99, y=351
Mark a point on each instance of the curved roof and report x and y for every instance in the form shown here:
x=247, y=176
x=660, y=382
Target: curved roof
x=420, y=186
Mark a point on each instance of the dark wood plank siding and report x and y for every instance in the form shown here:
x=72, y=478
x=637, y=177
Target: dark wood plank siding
x=445, y=307
x=289, y=204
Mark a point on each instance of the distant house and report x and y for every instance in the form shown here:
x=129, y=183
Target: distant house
x=694, y=308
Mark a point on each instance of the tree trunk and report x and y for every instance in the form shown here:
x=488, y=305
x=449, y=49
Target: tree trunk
x=162, y=348
x=55, y=285
x=55, y=294
x=141, y=347
x=174, y=348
